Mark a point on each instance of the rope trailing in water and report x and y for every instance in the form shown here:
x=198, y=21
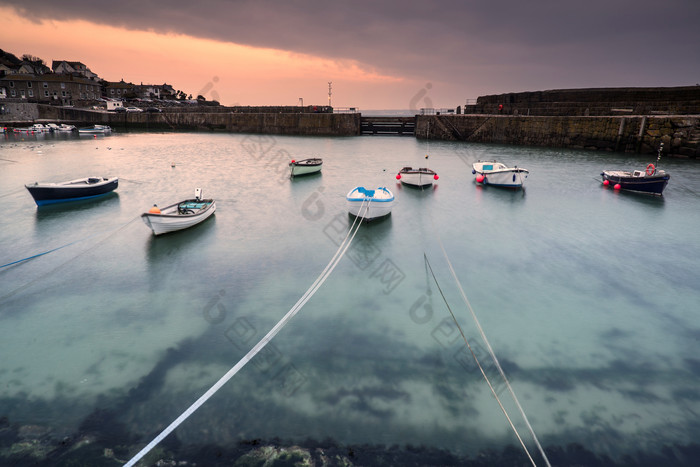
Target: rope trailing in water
x=41, y=254
x=5, y=297
x=345, y=244
x=481, y=369
x=493, y=356
x=490, y=350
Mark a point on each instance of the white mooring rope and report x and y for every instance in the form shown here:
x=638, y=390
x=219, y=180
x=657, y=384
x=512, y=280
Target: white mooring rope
x=345, y=244
x=493, y=356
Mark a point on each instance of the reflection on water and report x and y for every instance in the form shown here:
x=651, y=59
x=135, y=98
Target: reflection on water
x=587, y=296
x=70, y=208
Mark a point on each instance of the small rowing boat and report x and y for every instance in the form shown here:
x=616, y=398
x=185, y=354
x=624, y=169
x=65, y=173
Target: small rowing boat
x=73, y=190
x=370, y=204
x=305, y=166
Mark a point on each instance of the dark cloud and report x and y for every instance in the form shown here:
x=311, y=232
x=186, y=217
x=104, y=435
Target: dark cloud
x=506, y=44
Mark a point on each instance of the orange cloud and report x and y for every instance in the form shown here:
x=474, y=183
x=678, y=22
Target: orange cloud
x=235, y=73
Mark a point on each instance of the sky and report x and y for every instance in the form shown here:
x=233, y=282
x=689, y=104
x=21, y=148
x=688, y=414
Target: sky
x=377, y=54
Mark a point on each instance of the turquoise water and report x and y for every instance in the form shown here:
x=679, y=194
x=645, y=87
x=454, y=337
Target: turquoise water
x=588, y=297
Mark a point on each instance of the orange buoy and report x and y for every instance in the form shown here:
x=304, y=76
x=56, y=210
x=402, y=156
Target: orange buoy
x=154, y=210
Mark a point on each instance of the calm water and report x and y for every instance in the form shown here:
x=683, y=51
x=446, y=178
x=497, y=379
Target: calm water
x=588, y=297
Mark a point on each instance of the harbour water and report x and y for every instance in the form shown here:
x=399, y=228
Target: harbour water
x=587, y=296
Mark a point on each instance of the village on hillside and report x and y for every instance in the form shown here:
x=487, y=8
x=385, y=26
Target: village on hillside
x=72, y=83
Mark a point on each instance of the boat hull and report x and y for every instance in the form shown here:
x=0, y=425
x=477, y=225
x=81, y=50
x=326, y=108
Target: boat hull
x=417, y=177
x=305, y=167
x=165, y=223
x=44, y=194
x=370, y=204
x=95, y=130
x=505, y=178
x=650, y=184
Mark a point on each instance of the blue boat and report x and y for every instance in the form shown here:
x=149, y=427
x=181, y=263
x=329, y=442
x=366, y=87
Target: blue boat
x=651, y=181
x=73, y=190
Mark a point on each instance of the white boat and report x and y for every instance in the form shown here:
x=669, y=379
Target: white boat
x=498, y=174
x=305, y=166
x=370, y=204
x=39, y=128
x=95, y=130
x=417, y=177
x=61, y=127
x=180, y=215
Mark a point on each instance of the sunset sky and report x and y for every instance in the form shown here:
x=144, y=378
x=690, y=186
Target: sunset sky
x=378, y=54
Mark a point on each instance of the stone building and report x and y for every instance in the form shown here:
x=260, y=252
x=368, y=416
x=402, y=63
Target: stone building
x=56, y=89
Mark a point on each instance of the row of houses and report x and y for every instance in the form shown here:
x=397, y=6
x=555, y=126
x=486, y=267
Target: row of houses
x=69, y=83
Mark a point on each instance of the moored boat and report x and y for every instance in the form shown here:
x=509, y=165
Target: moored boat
x=73, y=190
x=370, y=204
x=420, y=177
x=61, y=127
x=498, y=174
x=305, y=166
x=651, y=180
x=40, y=128
x=179, y=216
x=95, y=130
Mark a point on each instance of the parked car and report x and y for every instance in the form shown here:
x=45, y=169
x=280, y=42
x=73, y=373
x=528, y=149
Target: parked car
x=120, y=109
x=133, y=109
x=153, y=110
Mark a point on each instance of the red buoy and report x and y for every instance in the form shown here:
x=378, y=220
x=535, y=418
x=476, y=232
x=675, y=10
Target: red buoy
x=617, y=186
x=435, y=176
x=398, y=176
x=293, y=161
x=606, y=182
x=480, y=178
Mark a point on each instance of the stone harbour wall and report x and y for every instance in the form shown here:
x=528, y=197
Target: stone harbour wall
x=642, y=134
x=304, y=124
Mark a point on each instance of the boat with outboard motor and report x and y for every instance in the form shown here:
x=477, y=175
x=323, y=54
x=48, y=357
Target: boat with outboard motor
x=370, y=204
x=179, y=216
x=73, y=190
x=498, y=174
x=651, y=181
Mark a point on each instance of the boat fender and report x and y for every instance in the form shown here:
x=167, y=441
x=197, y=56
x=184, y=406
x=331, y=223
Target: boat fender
x=398, y=176
x=154, y=210
x=651, y=170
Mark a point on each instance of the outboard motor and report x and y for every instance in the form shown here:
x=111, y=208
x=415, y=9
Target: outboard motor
x=198, y=193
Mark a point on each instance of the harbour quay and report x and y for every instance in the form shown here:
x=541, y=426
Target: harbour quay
x=633, y=120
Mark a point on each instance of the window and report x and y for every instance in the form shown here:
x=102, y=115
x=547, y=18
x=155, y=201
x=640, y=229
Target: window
x=12, y=85
x=46, y=93
x=63, y=85
x=31, y=93
x=21, y=92
x=63, y=93
x=46, y=85
x=29, y=84
x=13, y=93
